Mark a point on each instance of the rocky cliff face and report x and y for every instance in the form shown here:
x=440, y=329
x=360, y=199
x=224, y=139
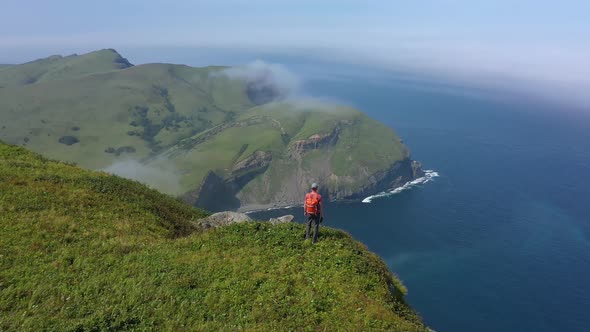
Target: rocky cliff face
x=258, y=160
x=276, y=179
x=396, y=176
x=314, y=142
x=335, y=188
x=218, y=194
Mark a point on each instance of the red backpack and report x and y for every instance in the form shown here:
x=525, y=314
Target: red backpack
x=312, y=203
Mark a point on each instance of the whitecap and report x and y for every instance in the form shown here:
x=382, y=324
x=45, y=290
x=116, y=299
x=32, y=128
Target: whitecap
x=429, y=176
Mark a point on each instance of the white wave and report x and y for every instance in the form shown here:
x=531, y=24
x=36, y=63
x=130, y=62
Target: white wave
x=429, y=176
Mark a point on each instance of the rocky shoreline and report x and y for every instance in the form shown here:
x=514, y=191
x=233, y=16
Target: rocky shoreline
x=397, y=176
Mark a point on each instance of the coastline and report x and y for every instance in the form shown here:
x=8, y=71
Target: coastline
x=428, y=176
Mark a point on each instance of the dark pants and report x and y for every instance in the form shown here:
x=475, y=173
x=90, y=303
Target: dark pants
x=312, y=219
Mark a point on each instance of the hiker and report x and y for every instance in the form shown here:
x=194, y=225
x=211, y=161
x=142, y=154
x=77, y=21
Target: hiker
x=312, y=208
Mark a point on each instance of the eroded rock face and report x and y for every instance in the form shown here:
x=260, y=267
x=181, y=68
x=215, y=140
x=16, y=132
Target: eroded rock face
x=256, y=160
x=214, y=193
x=218, y=194
x=224, y=218
x=282, y=220
x=317, y=141
x=396, y=176
x=265, y=179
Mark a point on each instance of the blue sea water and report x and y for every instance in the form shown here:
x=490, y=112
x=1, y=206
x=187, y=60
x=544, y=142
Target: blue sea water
x=500, y=241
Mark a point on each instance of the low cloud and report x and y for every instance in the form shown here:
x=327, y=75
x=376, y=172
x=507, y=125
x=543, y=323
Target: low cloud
x=537, y=46
x=307, y=103
x=160, y=174
x=287, y=86
x=267, y=77
x=543, y=72
x=547, y=73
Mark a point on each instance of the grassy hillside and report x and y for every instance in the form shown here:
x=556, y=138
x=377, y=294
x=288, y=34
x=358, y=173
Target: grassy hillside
x=81, y=250
x=111, y=113
x=183, y=122
x=58, y=67
x=361, y=147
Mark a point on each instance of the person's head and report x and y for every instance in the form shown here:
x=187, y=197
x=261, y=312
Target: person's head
x=314, y=186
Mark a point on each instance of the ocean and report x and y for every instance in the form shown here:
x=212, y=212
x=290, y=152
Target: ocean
x=498, y=238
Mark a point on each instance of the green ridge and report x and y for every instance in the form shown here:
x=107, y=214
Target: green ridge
x=83, y=250
x=96, y=109
x=57, y=67
x=138, y=110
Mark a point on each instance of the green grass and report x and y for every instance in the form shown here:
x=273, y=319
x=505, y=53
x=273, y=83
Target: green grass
x=81, y=250
x=368, y=143
x=148, y=107
x=364, y=147
x=154, y=110
x=58, y=67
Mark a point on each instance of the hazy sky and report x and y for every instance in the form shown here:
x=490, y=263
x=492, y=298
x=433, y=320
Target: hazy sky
x=545, y=43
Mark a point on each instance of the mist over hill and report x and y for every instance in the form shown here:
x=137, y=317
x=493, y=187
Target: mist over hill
x=243, y=133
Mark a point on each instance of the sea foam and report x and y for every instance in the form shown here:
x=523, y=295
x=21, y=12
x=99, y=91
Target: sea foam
x=429, y=175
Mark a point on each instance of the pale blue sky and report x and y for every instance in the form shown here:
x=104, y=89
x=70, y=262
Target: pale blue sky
x=544, y=42
x=159, y=22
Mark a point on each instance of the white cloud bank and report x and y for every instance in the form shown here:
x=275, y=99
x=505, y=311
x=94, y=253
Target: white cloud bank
x=285, y=82
x=262, y=74
x=161, y=175
x=541, y=47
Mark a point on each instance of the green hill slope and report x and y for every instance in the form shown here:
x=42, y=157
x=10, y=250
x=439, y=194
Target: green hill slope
x=95, y=119
x=283, y=147
x=57, y=67
x=81, y=250
x=201, y=126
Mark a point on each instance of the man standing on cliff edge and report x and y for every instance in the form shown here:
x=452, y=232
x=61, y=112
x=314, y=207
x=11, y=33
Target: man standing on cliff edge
x=312, y=208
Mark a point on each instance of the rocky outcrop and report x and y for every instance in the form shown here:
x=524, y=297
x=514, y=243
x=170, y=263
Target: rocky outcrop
x=257, y=160
x=223, y=219
x=294, y=186
x=214, y=193
x=317, y=141
x=282, y=220
x=396, y=176
x=219, y=194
